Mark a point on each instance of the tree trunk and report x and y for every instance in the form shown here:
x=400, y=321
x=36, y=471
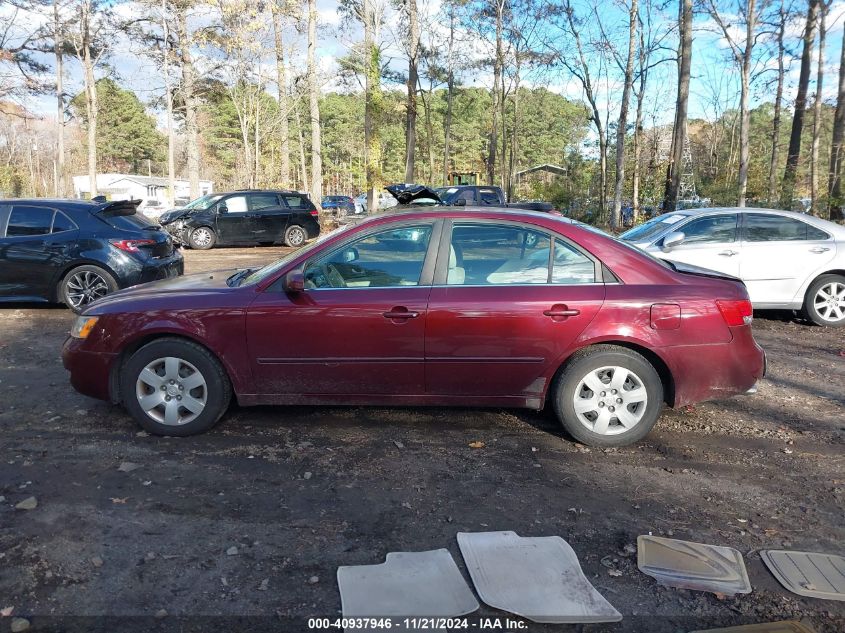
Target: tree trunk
x=372, y=106
x=429, y=130
x=282, y=82
x=745, y=122
x=493, y=141
x=189, y=98
x=171, y=134
x=303, y=165
x=58, y=42
x=411, y=108
x=314, y=109
x=837, y=146
x=91, y=103
x=450, y=91
x=257, y=132
x=673, y=180
x=776, y=122
x=793, y=155
x=817, y=114
x=616, y=215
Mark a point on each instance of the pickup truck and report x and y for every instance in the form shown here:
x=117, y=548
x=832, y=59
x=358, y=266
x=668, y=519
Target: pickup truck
x=461, y=195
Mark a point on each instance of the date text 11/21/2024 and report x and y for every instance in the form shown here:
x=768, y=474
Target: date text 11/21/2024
x=418, y=624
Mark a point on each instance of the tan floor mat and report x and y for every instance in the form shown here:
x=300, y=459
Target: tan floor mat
x=807, y=573
x=536, y=578
x=768, y=627
x=687, y=565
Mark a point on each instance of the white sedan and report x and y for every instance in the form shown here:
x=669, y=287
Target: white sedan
x=787, y=260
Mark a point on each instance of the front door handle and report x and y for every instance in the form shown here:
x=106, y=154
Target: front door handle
x=729, y=253
x=559, y=312
x=400, y=313
x=819, y=249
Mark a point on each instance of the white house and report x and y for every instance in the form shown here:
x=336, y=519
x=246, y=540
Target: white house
x=151, y=190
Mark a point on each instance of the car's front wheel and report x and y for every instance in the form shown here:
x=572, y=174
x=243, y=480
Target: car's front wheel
x=174, y=387
x=608, y=396
x=202, y=238
x=825, y=301
x=84, y=284
x=295, y=236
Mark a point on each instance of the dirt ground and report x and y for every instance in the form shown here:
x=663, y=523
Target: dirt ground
x=243, y=528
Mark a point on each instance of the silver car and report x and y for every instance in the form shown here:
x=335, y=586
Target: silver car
x=787, y=260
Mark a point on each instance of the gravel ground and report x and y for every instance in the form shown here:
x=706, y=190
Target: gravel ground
x=243, y=528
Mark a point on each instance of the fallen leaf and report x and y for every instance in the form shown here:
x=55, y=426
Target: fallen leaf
x=5, y=612
x=119, y=500
x=476, y=444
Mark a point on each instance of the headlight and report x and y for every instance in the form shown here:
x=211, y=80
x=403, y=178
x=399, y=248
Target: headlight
x=83, y=325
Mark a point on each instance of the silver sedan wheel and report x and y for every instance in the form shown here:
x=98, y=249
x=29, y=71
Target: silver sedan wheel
x=201, y=237
x=829, y=302
x=84, y=287
x=610, y=400
x=171, y=391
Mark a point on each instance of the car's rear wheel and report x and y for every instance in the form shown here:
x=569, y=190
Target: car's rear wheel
x=825, y=301
x=202, y=238
x=608, y=396
x=174, y=387
x=295, y=235
x=84, y=284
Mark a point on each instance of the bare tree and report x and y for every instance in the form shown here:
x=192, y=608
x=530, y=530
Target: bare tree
x=679, y=130
x=314, y=109
x=450, y=93
x=168, y=100
x=413, y=79
x=793, y=155
x=58, y=49
x=817, y=111
x=189, y=91
x=621, y=129
x=742, y=54
x=837, y=146
x=282, y=83
x=783, y=17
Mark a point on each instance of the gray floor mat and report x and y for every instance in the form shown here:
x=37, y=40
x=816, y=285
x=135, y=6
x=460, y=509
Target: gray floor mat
x=808, y=573
x=536, y=578
x=698, y=566
x=768, y=627
x=406, y=584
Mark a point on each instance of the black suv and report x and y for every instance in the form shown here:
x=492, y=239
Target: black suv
x=76, y=251
x=244, y=217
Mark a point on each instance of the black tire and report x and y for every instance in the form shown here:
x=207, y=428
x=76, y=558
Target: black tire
x=202, y=238
x=217, y=389
x=68, y=290
x=815, y=306
x=295, y=236
x=590, y=361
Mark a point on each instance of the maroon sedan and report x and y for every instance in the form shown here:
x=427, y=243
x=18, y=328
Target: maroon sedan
x=471, y=307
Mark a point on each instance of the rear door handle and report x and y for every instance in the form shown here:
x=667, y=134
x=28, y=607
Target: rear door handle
x=559, y=312
x=400, y=313
x=729, y=253
x=819, y=249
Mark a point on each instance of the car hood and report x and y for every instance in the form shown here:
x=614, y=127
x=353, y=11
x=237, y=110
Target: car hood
x=406, y=193
x=214, y=281
x=174, y=214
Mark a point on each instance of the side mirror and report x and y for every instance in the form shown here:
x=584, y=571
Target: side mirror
x=676, y=238
x=222, y=208
x=349, y=255
x=294, y=282
x=461, y=202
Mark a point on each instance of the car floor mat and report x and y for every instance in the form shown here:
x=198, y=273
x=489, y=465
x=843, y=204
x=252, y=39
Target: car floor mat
x=537, y=578
x=697, y=566
x=807, y=573
x=789, y=626
x=406, y=584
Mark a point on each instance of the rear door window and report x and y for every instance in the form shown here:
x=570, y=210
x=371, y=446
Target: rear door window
x=26, y=221
x=763, y=227
x=492, y=254
x=263, y=201
x=295, y=202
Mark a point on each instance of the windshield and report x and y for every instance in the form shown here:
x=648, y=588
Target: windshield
x=203, y=203
x=652, y=228
x=273, y=267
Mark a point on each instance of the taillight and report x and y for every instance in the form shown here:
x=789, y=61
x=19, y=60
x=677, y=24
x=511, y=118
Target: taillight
x=314, y=213
x=131, y=246
x=735, y=311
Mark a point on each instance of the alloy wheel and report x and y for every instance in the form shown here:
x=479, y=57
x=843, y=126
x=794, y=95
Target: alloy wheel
x=829, y=302
x=171, y=391
x=201, y=237
x=610, y=400
x=84, y=287
x=296, y=236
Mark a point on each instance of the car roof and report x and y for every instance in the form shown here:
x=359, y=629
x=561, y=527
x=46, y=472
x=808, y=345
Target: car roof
x=226, y=193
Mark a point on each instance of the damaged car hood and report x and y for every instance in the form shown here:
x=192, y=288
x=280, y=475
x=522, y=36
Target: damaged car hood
x=407, y=193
